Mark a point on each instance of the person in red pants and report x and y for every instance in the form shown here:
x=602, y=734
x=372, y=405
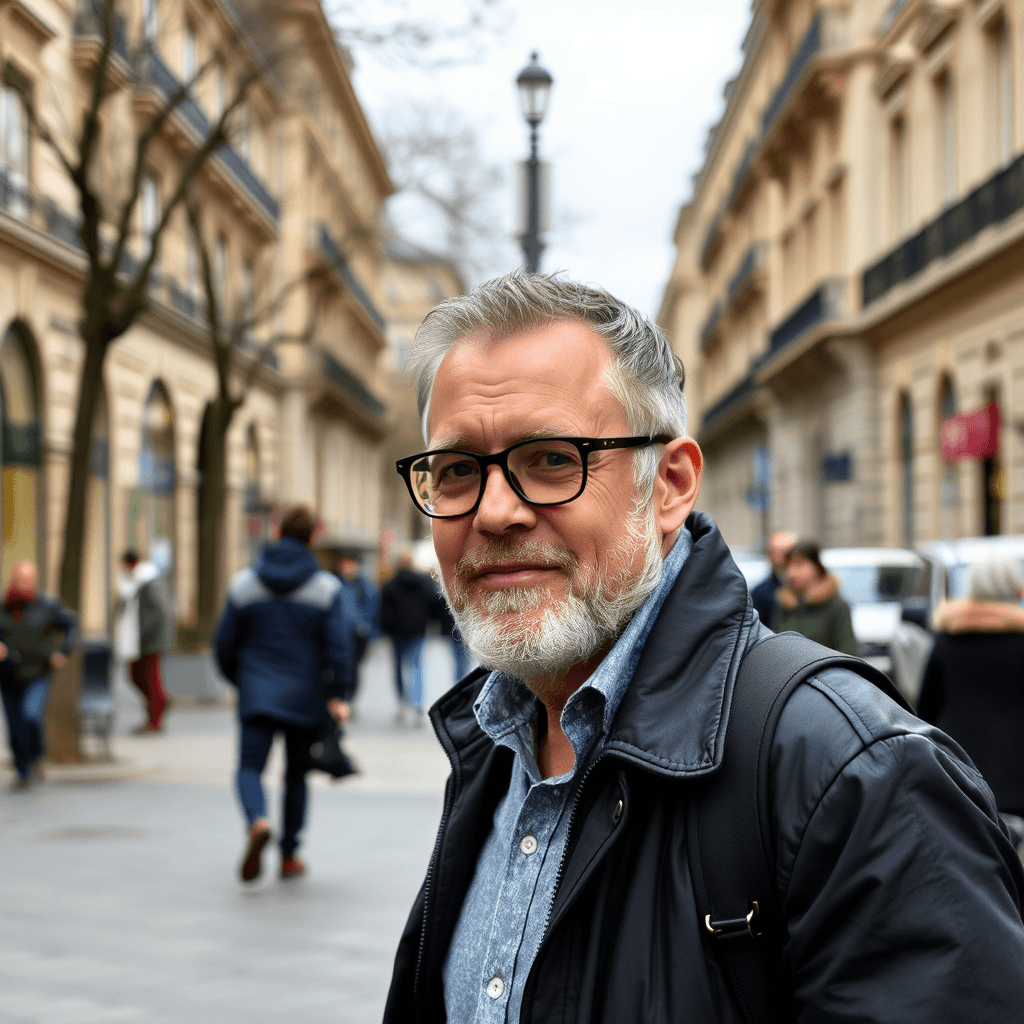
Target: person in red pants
x=140, y=626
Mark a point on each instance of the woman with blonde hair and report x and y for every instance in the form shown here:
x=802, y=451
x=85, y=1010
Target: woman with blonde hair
x=973, y=686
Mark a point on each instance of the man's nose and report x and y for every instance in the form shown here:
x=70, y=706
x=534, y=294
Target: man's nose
x=500, y=508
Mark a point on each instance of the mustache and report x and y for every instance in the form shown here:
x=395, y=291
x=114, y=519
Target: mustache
x=498, y=552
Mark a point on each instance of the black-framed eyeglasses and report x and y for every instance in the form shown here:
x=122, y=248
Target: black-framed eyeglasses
x=448, y=483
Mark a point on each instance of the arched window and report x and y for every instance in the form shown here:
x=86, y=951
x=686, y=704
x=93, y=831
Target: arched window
x=157, y=481
x=906, y=453
x=22, y=450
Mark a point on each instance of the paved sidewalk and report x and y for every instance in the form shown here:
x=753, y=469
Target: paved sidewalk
x=119, y=899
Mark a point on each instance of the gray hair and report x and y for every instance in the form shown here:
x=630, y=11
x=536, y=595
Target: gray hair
x=645, y=375
x=995, y=578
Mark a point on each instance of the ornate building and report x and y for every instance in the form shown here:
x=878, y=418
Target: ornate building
x=300, y=187
x=848, y=293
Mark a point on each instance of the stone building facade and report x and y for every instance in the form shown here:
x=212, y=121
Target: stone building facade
x=848, y=288
x=300, y=186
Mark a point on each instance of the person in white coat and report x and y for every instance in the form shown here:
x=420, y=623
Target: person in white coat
x=140, y=624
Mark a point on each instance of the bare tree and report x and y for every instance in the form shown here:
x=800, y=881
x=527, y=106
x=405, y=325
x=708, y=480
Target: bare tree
x=119, y=264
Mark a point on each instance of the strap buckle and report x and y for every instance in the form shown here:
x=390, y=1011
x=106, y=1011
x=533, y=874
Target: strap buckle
x=733, y=926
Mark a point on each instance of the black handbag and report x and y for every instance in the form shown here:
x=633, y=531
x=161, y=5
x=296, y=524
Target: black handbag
x=326, y=754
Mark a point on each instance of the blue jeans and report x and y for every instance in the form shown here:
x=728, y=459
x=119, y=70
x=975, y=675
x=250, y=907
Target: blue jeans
x=409, y=661
x=256, y=738
x=461, y=658
x=24, y=707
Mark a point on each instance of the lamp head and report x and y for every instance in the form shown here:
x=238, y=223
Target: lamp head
x=534, y=89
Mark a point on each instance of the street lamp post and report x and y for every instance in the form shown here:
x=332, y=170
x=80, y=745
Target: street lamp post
x=534, y=89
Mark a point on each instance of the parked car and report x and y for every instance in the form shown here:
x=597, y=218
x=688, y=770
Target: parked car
x=950, y=560
x=885, y=587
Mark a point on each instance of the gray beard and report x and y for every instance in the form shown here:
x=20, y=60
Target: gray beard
x=594, y=614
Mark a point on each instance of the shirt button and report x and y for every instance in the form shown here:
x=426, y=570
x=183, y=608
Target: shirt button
x=495, y=987
x=618, y=811
x=528, y=845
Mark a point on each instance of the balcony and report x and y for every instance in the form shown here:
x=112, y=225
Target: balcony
x=709, y=331
x=712, y=239
x=749, y=276
x=805, y=53
x=90, y=37
x=337, y=261
x=155, y=73
x=729, y=402
x=352, y=386
x=990, y=203
x=825, y=303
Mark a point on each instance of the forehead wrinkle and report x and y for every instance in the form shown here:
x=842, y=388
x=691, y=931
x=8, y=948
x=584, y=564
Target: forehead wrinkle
x=538, y=434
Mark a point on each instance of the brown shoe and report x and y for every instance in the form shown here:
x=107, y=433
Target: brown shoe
x=292, y=866
x=259, y=836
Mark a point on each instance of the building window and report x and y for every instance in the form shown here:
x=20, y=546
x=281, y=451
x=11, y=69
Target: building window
x=149, y=212
x=906, y=450
x=946, y=137
x=220, y=274
x=14, y=136
x=189, y=60
x=246, y=303
x=899, y=177
x=243, y=133
x=950, y=497
x=1000, y=64
x=150, y=20
x=222, y=91
x=191, y=267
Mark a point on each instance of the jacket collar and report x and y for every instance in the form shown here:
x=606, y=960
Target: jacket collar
x=673, y=717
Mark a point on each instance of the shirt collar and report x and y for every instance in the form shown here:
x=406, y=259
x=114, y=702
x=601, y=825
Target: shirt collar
x=505, y=707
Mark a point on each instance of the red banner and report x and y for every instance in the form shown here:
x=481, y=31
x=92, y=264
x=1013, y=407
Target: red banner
x=971, y=435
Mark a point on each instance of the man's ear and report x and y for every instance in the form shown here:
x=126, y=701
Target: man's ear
x=678, y=483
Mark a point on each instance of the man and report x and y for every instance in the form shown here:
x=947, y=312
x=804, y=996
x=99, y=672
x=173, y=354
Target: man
x=763, y=595
x=284, y=622
x=37, y=634
x=366, y=601
x=140, y=630
x=561, y=484
x=407, y=607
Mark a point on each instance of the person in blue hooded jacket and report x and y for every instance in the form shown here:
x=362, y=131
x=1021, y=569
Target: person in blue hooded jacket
x=286, y=622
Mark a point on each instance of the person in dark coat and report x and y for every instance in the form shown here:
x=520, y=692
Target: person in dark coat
x=973, y=686
x=37, y=633
x=612, y=623
x=284, y=622
x=763, y=595
x=810, y=603
x=366, y=600
x=407, y=607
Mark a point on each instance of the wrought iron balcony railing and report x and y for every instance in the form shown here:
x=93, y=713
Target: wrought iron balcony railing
x=338, y=262
x=823, y=304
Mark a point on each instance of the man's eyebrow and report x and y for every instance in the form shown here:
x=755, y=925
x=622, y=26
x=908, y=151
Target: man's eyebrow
x=465, y=444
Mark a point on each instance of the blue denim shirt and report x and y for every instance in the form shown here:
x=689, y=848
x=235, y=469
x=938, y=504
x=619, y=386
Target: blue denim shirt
x=505, y=912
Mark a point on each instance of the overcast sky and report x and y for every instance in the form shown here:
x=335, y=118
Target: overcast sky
x=636, y=87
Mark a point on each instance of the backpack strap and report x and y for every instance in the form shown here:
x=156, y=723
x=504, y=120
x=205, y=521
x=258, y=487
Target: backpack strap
x=728, y=839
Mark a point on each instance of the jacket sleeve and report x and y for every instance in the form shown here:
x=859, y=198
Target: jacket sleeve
x=66, y=621
x=339, y=633
x=227, y=642
x=903, y=895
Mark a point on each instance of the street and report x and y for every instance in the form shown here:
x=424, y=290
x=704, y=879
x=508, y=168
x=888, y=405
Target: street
x=121, y=900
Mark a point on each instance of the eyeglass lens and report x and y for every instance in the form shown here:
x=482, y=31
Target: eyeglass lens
x=546, y=472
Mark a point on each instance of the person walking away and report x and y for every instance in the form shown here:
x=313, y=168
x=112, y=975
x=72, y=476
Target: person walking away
x=407, y=603
x=763, y=595
x=30, y=623
x=140, y=630
x=462, y=659
x=810, y=602
x=366, y=600
x=973, y=686
x=284, y=621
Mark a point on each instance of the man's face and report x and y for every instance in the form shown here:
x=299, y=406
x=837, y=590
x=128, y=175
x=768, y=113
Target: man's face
x=779, y=547
x=23, y=577
x=802, y=573
x=509, y=561
x=348, y=568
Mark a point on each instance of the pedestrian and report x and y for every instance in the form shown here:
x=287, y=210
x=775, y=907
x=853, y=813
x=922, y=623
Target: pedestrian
x=366, y=600
x=283, y=620
x=973, y=685
x=462, y=659
x=763, y=595
x=140, y=632
x=37, y=633
x=615, y=627
x=407, y=607
x=810, y=602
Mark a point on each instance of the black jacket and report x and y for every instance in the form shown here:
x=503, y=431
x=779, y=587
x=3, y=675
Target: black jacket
x=973, y=689
x=901, y=893
x=46, y=627
x=408, y=604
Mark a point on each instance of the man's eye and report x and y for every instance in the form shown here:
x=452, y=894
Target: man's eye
x=457, y=471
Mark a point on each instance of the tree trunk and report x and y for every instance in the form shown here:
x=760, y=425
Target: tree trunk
x=212, y=517
x=63, y=727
